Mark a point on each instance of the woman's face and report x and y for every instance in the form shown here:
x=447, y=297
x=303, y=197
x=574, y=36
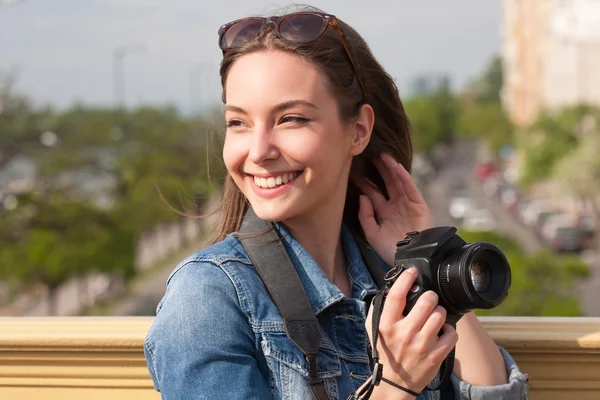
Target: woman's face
x=286, y=147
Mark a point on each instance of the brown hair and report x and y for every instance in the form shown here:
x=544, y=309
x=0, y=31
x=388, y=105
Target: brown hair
x=391, y=132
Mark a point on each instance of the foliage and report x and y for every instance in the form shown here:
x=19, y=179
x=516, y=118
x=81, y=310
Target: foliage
x=542, y=283
x=433, y=119
x=551, y=137
x=486, y=89
x=488, y=122
x=110, y=176
x=483, y=117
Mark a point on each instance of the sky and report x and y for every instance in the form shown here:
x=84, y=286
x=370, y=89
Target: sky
x=63, y=49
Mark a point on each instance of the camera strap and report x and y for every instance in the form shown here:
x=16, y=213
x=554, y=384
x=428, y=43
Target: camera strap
x=264, y=246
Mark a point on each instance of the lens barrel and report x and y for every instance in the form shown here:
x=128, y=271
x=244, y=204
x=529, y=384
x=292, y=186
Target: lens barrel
x=474, y=276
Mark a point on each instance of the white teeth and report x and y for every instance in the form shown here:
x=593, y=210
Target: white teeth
x=275, y=181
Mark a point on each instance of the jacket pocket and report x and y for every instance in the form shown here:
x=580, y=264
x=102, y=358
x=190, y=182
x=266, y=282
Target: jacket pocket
x=290, y=368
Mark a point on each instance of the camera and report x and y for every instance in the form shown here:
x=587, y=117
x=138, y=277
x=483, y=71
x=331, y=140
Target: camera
x=465, y=276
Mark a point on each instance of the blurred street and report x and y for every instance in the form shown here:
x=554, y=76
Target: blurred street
x=458, y=174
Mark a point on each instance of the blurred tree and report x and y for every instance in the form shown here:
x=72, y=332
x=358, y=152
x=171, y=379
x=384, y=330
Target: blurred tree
x=487, y=122
x=550, y=138
x=578, y=171
x=20, y=124
x=483, y=117
x=487, y=88
x=51, y=237
x=103, y=177
x=542, y=284
x=433, y=119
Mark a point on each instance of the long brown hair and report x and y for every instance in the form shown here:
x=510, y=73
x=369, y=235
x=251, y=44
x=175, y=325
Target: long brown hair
x=391, y=132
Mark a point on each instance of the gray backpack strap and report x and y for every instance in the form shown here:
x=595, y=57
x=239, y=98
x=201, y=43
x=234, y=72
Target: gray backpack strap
x=265, y=249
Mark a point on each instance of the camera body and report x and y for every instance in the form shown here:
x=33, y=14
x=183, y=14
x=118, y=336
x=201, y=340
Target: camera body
x=464, y=276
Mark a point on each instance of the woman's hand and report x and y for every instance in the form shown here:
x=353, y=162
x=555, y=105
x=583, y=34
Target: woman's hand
x=409, y=347
x=386, y=221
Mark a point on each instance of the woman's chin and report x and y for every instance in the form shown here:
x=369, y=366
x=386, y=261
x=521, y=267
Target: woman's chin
x=272, y=211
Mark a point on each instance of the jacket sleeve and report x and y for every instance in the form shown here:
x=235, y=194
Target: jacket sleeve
x=517, y=387
x=201, y=345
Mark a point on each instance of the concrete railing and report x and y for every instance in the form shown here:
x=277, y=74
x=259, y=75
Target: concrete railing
x=102, y=358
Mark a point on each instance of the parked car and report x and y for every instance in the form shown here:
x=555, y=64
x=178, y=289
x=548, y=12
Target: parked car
x=531, y=213
x=586, y=225
x=479, y=220
x=460, y=206
x=485, y=170
x=565, y=239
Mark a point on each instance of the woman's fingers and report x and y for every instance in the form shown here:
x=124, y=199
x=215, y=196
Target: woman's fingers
x=375, y=196
x=435, y=322
x=421, y=312
x=395, y=301
x=366, y=216
x=445, y=344
x=387, y=173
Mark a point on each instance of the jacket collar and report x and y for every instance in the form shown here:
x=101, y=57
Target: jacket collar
x=320, y=290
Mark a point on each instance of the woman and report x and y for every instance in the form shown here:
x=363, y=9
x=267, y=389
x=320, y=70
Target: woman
x=313, y=120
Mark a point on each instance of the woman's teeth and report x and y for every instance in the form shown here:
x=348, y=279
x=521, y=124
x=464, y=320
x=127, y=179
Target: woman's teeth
x=275, y=181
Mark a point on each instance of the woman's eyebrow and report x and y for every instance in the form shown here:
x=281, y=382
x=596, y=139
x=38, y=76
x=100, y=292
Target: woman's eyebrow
x=277, y=108
x=293, y=103
x=236, y=109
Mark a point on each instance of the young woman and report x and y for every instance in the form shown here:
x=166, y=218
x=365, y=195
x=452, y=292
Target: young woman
x=318, y=142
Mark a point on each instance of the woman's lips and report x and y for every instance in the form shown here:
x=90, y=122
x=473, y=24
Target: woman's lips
x=269, y=193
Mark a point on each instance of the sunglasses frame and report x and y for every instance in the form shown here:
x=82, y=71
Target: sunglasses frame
x=275, y=24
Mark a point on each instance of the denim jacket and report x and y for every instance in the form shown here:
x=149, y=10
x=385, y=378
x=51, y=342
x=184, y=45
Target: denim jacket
x=218, y=334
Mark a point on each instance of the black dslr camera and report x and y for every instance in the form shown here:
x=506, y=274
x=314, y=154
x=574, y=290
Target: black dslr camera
x=465, y=276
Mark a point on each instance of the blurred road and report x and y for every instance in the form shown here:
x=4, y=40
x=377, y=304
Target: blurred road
x=460, y=163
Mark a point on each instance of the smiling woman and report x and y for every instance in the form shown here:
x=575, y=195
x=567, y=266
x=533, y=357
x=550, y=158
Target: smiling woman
x=317, y=145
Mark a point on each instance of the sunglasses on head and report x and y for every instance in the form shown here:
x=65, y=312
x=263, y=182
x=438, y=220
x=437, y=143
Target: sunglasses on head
x=301, y=28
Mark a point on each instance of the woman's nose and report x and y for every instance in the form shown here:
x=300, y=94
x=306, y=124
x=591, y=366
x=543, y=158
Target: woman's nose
x=262, y=147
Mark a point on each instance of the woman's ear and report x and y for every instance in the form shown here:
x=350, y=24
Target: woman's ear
x=361, y=129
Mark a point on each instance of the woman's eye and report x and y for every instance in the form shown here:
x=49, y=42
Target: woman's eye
x=234, y=123
x=295, y=119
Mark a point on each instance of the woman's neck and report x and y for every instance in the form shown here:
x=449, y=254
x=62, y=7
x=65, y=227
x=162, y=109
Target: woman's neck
x=320, y=235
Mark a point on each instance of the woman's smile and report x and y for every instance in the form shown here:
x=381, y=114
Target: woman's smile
x=272, y=185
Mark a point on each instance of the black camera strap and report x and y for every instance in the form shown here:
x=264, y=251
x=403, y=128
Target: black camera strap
x=265, y=248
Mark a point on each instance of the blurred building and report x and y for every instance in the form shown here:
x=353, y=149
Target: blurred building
x=427, y=84
x=551, y=55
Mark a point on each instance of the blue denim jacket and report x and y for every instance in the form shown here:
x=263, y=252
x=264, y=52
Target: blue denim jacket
x=218, y=334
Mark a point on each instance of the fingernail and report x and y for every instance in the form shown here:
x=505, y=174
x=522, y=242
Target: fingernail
x=412, y=271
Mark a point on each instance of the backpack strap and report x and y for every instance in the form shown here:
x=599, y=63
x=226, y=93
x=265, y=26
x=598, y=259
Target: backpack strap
x=264, y=246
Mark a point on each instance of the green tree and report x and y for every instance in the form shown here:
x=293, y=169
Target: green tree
x=111, y=175
x=487, y=122
x=433, y=119
x=482, y=117
x=51, y=237
x=487, y=88
x=552, y=136
x=578, y=171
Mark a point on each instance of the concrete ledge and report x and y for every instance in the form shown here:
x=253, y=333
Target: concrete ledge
x=98, y=358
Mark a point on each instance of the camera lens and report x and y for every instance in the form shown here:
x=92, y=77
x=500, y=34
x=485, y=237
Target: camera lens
x=481, y=276
x=474, y=276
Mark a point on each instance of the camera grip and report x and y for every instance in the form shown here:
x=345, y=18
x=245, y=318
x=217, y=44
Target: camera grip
x=416, y=290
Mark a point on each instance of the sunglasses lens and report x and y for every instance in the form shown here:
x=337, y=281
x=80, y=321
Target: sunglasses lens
x=240, y=33
x=302, y=28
